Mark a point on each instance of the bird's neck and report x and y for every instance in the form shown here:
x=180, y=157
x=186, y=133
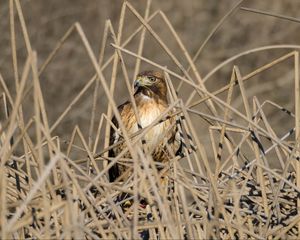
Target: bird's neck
x=147, y=93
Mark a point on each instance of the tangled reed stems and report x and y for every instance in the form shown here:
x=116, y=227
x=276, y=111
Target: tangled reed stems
x=241, y=181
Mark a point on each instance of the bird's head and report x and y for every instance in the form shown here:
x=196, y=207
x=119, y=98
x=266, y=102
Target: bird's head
x=152, y=83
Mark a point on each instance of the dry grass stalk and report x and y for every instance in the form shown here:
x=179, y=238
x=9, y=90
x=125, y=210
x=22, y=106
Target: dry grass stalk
x=48, y=192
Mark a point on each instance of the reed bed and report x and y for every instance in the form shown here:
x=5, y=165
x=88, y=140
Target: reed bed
x=241, y=182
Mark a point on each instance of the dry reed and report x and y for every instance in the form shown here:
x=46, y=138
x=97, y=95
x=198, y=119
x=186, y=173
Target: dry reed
x=228, y=189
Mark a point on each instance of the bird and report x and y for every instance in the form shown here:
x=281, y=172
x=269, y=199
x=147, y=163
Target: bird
x=150, y=96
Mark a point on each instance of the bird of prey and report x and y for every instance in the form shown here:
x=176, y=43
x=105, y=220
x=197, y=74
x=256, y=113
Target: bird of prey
x=150, y=96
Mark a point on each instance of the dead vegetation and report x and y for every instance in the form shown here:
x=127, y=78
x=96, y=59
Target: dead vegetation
x=240, y=180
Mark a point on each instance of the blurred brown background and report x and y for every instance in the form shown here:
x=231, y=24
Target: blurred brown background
x=193, y=20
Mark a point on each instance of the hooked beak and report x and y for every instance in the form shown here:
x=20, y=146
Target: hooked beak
x=137, y=83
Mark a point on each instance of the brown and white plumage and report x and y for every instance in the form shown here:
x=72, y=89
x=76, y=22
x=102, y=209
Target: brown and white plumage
x=151, y=100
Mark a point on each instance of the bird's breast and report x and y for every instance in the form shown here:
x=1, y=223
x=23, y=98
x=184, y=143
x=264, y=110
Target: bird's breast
x=148, y=112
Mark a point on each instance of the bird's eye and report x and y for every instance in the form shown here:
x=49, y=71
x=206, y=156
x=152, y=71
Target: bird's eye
x=152, y=79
